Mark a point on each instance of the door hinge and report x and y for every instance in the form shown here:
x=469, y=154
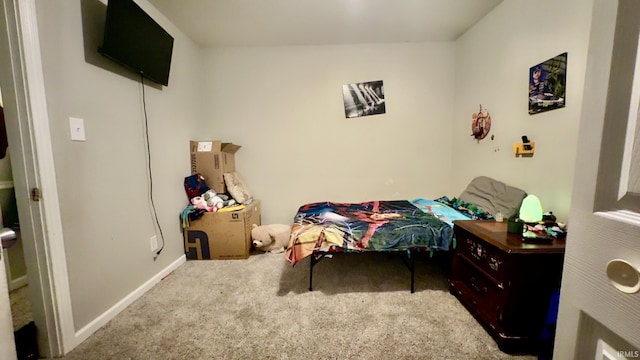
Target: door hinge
x=36, y=194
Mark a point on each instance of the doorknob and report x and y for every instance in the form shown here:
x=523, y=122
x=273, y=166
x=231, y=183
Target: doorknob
x=624, y=276
x=8, y=237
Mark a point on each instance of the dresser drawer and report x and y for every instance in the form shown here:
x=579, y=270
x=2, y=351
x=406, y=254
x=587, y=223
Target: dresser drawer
x=480, y=292
x=505, y=283
x=487, y=257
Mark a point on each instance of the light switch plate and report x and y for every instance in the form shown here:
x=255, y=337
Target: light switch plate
x=76, y=126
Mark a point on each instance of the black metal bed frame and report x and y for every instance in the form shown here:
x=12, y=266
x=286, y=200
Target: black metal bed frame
x=409, y=260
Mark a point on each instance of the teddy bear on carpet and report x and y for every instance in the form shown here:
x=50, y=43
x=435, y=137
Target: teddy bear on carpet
x=270, y=238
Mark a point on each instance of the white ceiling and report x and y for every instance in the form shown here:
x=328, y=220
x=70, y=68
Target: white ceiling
x=222, y=23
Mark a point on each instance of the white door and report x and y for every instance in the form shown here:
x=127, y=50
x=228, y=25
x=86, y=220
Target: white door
x=599, y=318
x=7, y=344
x=27, y=124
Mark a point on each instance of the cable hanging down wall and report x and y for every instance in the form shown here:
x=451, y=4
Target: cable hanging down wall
x=149, y=172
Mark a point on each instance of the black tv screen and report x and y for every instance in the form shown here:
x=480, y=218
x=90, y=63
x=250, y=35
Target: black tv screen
x=133, y=39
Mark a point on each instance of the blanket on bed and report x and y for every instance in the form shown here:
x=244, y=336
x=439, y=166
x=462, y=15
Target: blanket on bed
x=371, y=226
x=469, y=210
x=441, y=210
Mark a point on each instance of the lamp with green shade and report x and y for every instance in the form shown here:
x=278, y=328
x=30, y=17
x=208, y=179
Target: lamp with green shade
x=530, y=213
x=531, y=209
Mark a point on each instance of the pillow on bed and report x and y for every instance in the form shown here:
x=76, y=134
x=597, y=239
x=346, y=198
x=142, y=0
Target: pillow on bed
x=237, y=188
x=493, y=196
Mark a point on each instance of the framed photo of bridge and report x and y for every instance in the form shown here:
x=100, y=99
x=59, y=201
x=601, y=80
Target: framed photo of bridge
x=362, y=99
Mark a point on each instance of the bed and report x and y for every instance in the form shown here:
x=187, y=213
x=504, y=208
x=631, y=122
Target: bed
x=401, y=227
x=397, y=226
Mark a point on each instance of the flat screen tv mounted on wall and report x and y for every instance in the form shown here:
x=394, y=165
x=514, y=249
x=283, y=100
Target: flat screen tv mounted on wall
x=133, y=39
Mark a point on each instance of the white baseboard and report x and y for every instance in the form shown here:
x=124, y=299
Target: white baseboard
x=82, y=334
x=8, y=184
x=18, y=282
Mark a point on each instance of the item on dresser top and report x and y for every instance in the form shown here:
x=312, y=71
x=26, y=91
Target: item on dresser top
x=514, y=225
x=542, y=232
x=549, y=218
x=531, y=209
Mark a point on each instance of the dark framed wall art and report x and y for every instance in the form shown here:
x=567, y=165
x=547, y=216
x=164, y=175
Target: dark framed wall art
x=362, y=99
x=547, y=85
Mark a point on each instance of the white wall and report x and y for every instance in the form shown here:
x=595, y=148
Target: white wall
x=284, y=106
x=102, y=183
x=492, y=69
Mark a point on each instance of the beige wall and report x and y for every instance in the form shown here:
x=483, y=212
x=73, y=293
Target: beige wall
x=492, y=67
x=284, y=106
x=102, y=183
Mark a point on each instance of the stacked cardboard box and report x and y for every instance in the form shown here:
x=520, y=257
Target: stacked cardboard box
x=221, y=234
x=212, y=159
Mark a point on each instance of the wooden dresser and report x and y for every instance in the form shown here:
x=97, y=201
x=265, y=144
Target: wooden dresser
x=504, y=282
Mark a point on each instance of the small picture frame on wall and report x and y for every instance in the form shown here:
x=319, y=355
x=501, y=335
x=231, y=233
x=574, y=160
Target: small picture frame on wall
x=362, y=99
x=547, y=85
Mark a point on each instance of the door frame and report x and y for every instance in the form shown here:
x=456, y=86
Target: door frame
x=33, y=167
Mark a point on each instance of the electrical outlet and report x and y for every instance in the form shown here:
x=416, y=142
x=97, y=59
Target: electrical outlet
x=154, y=243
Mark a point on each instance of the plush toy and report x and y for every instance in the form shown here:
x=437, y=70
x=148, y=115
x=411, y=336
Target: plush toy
x=270, y=238
x=200, y=203
x=217, y=200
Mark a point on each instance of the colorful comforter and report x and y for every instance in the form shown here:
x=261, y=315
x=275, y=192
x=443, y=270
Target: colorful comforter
x=441, y=210
x=370, y=226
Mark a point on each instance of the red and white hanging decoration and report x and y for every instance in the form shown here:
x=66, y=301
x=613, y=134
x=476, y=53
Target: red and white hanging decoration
x=481, y=124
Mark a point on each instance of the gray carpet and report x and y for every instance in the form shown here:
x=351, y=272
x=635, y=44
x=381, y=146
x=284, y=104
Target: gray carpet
x=20, y=307
x=260, y=308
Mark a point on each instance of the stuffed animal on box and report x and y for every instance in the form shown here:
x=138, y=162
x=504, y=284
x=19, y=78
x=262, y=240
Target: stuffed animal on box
x=270, y=238
x=200, y=203
x=218, y=200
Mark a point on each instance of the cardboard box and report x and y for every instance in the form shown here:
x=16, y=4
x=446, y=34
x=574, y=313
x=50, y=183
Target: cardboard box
x=212, y=159
x=222, y=235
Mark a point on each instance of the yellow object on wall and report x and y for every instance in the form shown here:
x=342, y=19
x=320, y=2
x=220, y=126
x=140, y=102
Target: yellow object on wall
x=524, y=149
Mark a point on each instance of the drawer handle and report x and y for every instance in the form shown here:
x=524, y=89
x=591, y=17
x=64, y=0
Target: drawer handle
x=494, y=263
x=476, y=287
